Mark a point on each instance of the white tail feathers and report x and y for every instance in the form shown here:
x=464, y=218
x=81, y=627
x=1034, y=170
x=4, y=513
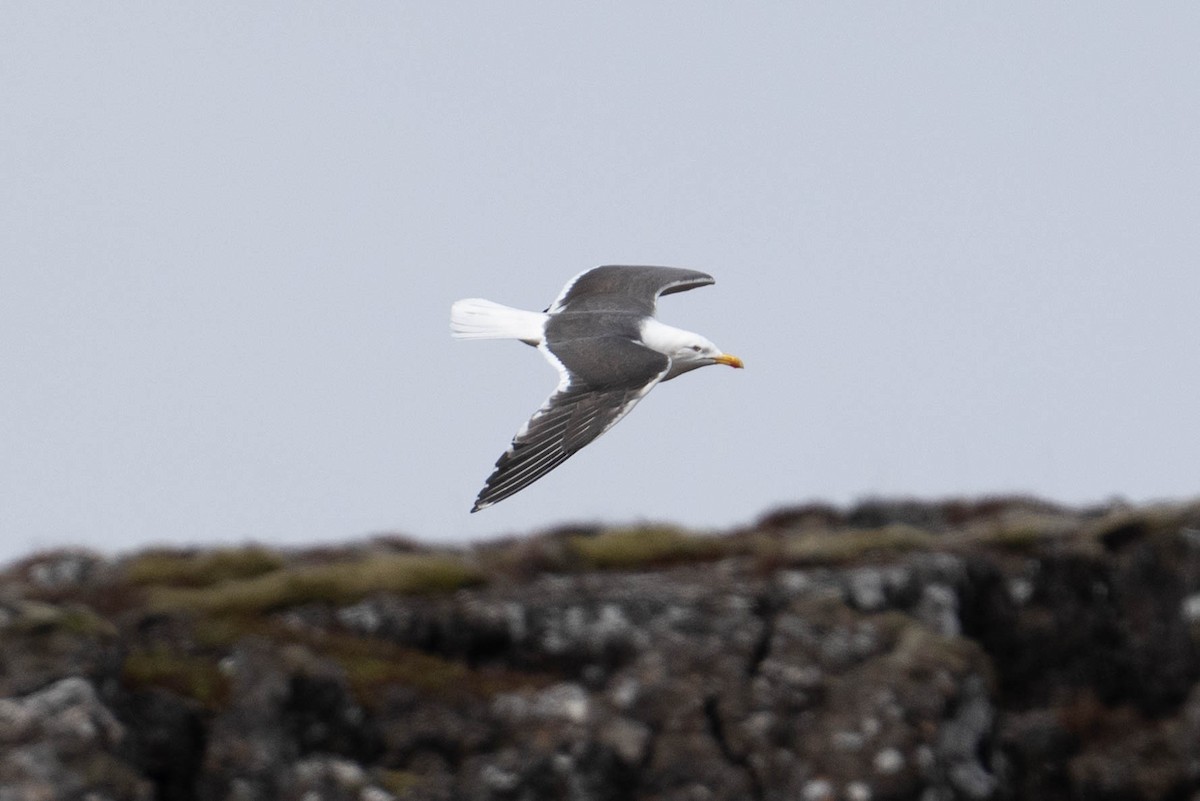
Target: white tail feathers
x=476, y=318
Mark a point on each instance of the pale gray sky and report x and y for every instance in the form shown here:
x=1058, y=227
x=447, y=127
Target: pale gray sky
x=956, y=245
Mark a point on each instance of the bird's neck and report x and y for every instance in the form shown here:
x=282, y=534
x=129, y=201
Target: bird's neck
x=664, y=338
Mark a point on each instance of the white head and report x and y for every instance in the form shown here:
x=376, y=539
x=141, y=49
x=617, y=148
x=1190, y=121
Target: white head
x=687, y=350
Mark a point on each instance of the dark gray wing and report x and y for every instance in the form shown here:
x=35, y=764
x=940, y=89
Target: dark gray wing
x=602, y=379
x=625, y=288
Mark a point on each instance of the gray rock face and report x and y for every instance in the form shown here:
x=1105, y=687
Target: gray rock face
x=816, y=656
x=62, y=742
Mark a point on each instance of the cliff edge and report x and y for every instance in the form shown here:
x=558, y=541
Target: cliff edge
x=974, y=649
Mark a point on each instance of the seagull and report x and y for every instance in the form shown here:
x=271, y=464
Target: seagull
x=601, y=335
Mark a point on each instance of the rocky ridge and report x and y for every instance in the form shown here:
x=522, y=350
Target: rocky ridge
x=989, y=649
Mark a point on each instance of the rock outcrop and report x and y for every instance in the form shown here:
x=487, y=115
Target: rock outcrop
x=998, y=649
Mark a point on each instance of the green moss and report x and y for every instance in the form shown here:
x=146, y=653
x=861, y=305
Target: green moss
x=371, y=664
x=398, y=782
x=625, y=549
x=1020, y=536
x=83, y=621
x=338, y=583
x=35, y=617
x=108, y=777
x=189, y=675
x=428, y=673
x=201, y=569
x=837, y=547
x=221, y=632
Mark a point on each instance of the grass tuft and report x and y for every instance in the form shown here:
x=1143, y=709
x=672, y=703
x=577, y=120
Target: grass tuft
x=191, y=676
x=371, y=665
x=35, y=617
x=201, y=569
x=430, y=674
x=625, y=549
x=1022, y=531
x=400, y=783
x=338, y=583
x=838, y=547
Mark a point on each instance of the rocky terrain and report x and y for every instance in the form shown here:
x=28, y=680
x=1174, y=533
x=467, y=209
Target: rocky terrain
x=987, y=649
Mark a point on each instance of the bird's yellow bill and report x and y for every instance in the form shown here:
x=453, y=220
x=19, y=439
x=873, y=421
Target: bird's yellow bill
x=732, y=361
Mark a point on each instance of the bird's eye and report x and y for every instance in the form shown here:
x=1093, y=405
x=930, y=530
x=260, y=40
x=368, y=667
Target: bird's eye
x=697, y=348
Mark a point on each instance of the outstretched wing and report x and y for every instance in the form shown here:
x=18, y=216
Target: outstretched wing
x=602, y=379
x=625, y=288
